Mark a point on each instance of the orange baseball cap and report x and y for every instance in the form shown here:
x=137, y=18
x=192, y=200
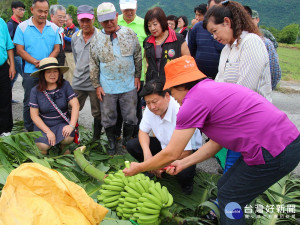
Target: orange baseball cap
x=181, y=70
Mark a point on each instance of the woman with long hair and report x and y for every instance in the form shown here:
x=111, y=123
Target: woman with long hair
x=52, y=92
x=162, y=45
x=244, y=60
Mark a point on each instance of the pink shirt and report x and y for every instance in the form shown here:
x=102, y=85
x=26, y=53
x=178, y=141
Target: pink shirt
x=237, y=118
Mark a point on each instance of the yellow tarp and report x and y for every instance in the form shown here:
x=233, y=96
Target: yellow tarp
x=36, y=195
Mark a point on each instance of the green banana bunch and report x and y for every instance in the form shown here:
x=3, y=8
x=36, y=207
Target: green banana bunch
x=137, y=198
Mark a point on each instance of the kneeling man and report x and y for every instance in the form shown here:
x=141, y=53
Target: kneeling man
x=160, y=118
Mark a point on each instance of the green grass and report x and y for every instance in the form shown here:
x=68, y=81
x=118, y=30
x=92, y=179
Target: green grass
x=289, y=59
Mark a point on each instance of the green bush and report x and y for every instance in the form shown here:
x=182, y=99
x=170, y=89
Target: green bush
x=289, y=34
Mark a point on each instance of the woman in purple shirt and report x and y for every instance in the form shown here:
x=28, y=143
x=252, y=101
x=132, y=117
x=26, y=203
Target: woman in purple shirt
x=234, y=117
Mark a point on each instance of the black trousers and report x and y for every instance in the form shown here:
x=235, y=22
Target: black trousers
x=6, y=120
x=185, y=177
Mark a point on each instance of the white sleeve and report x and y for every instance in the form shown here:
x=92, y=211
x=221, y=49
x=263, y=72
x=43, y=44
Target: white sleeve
x=145, y=124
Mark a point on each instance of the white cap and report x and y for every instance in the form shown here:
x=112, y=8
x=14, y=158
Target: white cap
x=128, y=4
x=106, y=11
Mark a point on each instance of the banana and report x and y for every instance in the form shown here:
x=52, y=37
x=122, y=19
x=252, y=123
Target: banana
x=129, y=204
x=132, y=200
x=143, y=199
x=119, y=214
x=170, y=201
x=111, y=199
x=151, y=205
x=111, y=187
x=100, y=197
x=125, y=194
x=155, y=193
x=139, y=204
x=109, y=193
x=112, y=204
x=121, y=200
x=125, y=181
x=165, y=194
x=126, y=215
x=132, y=192
x=159, y=191
x=116, y=183
x=140, y=188
x=127, y=210
x=149, y=211
x=107, y=180
x=145, y=184
x=152, y=198
x=134, y=187
x=147, y=219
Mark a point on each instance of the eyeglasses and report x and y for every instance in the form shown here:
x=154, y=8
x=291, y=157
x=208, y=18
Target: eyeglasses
x=21, y=9
x=62, y=17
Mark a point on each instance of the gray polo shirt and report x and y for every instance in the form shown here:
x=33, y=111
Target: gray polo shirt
x=80, y=49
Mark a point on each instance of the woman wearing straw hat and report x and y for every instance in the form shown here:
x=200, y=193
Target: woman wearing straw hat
x=237, y=118
x=49, y=105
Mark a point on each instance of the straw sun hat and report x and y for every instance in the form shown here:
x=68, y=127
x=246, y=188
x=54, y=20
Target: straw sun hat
x=49, y=63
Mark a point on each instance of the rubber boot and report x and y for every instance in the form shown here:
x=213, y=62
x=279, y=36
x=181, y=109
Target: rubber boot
x=111, y=137
x=127, y=133
x=97, y=129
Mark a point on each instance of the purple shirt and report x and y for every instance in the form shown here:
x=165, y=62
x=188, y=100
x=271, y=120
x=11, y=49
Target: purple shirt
x=237, y=118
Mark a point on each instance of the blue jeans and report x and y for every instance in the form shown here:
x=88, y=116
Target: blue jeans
x=243, y=183
x=19, y=69
x=28, y=83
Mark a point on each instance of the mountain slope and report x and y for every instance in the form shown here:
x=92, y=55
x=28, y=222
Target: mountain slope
x=275, y=13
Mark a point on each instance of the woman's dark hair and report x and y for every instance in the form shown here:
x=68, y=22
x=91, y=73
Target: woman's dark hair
x=248, y=9
x=239, y=18
x=190, y=85
x=42, y=84
x=17, y=4
x=185, y=20
x=156, y=13
x=174, y=18
x=153, y=87
x=201, y=8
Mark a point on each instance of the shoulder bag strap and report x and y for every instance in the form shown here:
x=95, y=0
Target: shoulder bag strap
x=56, y=108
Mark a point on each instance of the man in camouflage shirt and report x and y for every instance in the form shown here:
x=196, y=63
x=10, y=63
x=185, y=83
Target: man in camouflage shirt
x=115, y=70
x=266, y=33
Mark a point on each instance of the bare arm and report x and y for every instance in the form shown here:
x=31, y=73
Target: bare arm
x=185, y=49
x=144, y=140
x=34, y=114
x=74, y=103
x=21, y=52
x=55, y=51
x=179, y=140
x=12, y=70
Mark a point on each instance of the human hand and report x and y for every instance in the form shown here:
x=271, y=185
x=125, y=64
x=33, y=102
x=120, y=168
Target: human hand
x=157, y=172
x=36, y=63
x=194, y=21
x=11, y=72
x=100, y=92
x=67, y=130
x=137, y=83
x=133, y=170
x=51, y=138
x=174, y=168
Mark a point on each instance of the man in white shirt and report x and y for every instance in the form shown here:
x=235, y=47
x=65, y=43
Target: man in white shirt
x=160, y=118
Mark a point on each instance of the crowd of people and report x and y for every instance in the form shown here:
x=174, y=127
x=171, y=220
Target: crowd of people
x=215, y=77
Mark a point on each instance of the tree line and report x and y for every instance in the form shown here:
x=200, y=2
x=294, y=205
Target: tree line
x=287, y=35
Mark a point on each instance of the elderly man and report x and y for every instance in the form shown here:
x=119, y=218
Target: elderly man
x=115, y=67
x=70, y=29
x=128, y=18
x=82, y=84
x=204, y=49
x=58, y=17
x=35, y=39
x=7, y=73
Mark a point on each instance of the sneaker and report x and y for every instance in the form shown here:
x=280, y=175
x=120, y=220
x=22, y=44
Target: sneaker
x=14, y=101
x=5, y=134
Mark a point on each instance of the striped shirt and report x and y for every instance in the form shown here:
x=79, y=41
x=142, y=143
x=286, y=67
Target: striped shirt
x=246, y=62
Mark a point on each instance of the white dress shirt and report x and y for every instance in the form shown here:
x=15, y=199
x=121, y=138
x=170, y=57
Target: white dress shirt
x=246, y=62
x=163, y=128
